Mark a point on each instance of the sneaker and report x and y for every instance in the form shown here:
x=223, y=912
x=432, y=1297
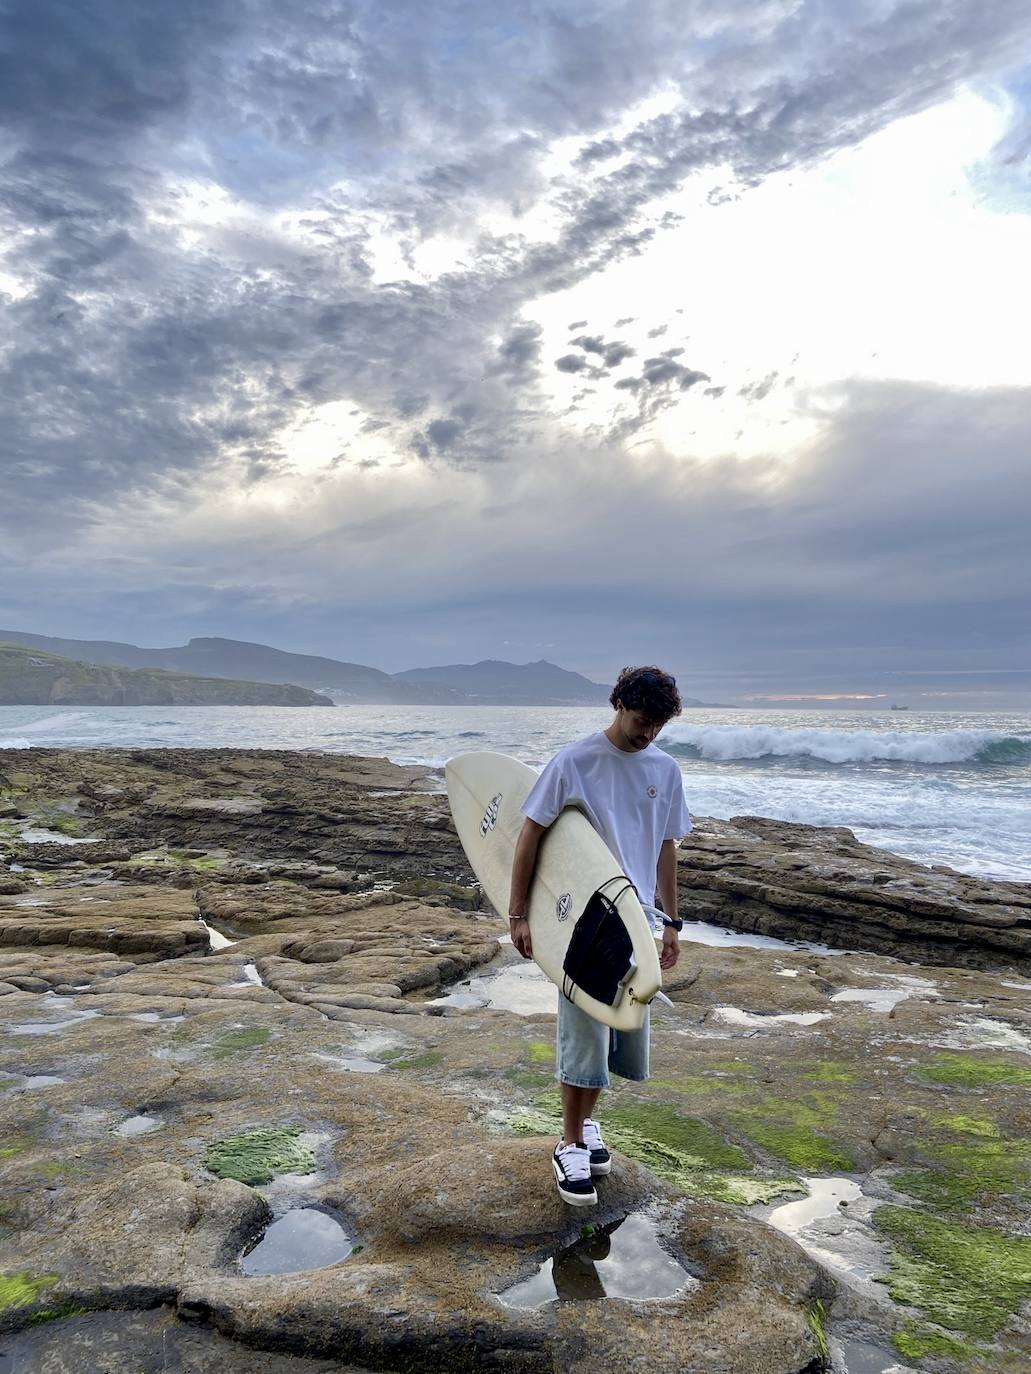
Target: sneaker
x=572, y=1165
x=601, y=1160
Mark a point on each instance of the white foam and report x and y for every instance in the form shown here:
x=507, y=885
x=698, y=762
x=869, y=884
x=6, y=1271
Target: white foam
x=725, y=742
x=15, y=744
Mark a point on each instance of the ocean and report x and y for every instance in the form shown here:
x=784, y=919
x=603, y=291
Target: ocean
x=938, y=786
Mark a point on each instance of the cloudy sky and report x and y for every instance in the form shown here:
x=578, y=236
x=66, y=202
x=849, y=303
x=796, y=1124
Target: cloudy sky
x=607, y=331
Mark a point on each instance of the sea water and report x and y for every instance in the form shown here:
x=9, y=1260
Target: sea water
x=939, y=786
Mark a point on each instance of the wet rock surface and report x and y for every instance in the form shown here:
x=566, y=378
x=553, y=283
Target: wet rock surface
x=819, y=883
x=165, y=1103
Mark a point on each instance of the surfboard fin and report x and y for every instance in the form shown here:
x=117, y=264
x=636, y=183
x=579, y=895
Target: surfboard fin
x=661, y=997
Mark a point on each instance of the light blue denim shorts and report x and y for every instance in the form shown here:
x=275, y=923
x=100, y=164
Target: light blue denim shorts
x=587, y=1052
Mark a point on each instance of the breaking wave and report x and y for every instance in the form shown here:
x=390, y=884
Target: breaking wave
x=15, y=744
x=724, y=743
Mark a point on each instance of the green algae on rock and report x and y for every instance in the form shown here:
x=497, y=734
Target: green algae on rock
x=790, y=1130
x=244, y=1039
x=22, y=1290
x=971, y=1071
x=917, y=1341
x=255, y=1157
x=965, y=1278
x=683, y=1150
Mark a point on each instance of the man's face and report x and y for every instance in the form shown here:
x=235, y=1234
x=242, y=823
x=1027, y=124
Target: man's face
x=637, y=729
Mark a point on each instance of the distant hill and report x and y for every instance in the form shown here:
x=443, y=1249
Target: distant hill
x=35, y=677
x=492, y=682
x=238, y=659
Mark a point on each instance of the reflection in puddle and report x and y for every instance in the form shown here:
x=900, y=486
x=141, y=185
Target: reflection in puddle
x=304, y=1238
x=353, y=1063
x=521, y=988
x=50, y=1027
x=621, y=1260
x=825, y=1197
x=138, y=1125
x=151, y=1018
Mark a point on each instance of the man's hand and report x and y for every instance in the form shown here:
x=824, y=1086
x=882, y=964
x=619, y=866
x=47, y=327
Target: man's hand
x=670, y=948
x=519, y=928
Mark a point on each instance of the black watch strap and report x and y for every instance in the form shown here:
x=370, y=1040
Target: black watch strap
x=677, y=924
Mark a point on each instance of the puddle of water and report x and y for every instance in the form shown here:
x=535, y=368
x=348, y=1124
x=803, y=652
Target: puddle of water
x=833, y=1226
x=304, y=1238
x=31, y=901
x=877, y=999
x=41, y=1080
x=860, y=1357
x=35, y=834
x=825, y=1195
x=701, y=933
x=786, y=972
x=138, y=1125
x=1021, y=987
x=736, y=1017
x=621, y=1260
x=152, y=1018
x=521, y=988
x=352, y=1063
x=51, y=1027
x=884, y=999
x=981, y=1032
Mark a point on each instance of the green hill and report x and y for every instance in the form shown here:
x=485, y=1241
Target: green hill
x=33, y=677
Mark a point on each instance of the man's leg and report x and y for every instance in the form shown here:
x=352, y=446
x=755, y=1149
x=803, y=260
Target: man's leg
x=577, y=1106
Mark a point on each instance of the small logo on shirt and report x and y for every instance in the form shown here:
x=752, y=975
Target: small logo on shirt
x=563, y=906
x=490, y=816
x=653, y=792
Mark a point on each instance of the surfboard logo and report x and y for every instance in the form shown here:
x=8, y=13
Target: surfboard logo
x=564, y=906
x=490, y=816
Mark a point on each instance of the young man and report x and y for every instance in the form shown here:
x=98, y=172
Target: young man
x=632, y=793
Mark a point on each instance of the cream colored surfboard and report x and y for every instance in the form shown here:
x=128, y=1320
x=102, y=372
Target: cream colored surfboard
x=486, y=792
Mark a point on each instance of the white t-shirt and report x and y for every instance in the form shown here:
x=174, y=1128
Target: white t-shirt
x=634, y=801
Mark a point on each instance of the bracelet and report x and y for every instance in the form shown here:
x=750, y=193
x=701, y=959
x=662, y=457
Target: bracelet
x=517, y=918
x=676, y=925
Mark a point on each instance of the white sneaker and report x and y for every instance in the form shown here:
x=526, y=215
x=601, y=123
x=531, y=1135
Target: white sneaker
x=572, y=1165
x=601, y=1160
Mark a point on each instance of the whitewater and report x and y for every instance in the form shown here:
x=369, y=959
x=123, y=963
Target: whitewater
x=939, y=786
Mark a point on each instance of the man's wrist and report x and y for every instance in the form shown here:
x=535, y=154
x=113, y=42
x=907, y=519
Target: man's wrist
x=673, y=923
x=517, y=915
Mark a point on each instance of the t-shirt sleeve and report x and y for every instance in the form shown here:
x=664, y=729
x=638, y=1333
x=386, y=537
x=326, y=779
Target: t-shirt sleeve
x=678, y=823
x=550, y=793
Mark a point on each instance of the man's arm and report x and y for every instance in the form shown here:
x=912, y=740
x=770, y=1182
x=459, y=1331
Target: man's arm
x=666, y=884
x=523, y=865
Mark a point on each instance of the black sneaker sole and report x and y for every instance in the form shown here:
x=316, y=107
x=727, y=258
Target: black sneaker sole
x=574, y=1199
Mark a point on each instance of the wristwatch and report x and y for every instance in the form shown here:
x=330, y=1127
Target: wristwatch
x=676, y=925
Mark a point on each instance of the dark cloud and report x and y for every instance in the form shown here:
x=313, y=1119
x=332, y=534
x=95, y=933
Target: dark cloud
x=590, y=343
x=758, y=391
x=192, y=198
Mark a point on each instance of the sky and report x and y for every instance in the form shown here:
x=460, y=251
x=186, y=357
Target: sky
x=627, y=331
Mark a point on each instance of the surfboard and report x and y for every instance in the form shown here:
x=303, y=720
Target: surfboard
x=486, y=792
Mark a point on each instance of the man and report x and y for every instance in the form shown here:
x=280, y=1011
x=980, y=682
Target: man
x=633, y=795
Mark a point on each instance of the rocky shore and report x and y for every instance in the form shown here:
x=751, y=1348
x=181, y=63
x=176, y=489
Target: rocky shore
x=245, y=993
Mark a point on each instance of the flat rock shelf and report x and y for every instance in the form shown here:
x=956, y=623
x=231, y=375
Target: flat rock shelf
x=249, y=992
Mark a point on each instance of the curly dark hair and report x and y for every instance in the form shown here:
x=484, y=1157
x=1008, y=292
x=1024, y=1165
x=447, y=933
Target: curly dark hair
x=649, y=690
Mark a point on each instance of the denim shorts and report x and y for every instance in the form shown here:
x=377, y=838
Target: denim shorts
x=587, y=1052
